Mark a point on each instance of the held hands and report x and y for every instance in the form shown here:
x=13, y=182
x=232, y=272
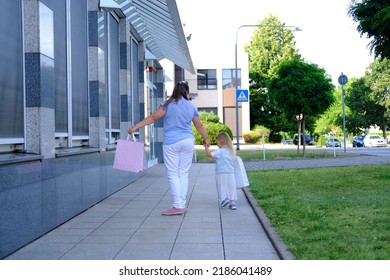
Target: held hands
x=206, y=147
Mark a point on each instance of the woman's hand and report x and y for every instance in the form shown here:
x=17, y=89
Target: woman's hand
x=131, y=130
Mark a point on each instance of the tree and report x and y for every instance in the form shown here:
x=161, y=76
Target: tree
x=301, y=88
x=331, y=119
x=271, y=44
x=378, y=78
x=373, y=17
x=369, y=98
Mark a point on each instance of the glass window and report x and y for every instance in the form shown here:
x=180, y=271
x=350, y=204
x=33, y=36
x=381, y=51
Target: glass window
x=112, y=78
x=11, y=73
x=207, y=79
x=60, y=66
x=135, y=114
x=229, y=78
x=79, y=68
x=70, y=70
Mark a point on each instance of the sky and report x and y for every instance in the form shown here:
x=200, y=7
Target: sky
x=328, y=38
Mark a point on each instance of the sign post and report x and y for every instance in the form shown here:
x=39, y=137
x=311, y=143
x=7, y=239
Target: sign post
x=342, y=81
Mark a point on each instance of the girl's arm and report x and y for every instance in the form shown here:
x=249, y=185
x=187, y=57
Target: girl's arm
x=207, y=149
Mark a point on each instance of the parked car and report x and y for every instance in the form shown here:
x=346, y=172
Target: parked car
x=287, y=142
x=358, y=141
x=333, y=142
x=308, y=139
x=374, y=141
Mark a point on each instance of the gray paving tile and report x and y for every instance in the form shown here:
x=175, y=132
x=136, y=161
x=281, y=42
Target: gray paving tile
x=43, y=251
x=145, y=251
x=197, y=251
x=105, y=239
x=249, y=251
x=153, y=238
x=92, y=252
x=59, y=239
x=63, y=231
x=200, y=235
x=113, y=232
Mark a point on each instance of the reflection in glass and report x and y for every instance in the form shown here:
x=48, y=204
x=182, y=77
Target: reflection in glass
x=229, y=78
x=11, y=72
x=46, y=33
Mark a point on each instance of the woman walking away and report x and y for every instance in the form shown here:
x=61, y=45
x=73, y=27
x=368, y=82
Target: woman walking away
x=224, y=169
x=178, y=142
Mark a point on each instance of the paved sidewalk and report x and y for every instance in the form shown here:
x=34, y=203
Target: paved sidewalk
x=129, y=225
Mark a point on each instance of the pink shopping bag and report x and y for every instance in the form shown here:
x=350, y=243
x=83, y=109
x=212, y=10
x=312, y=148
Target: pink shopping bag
x=129, y=155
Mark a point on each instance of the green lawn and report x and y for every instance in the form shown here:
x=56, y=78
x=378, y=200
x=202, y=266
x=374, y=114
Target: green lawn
x=328, y=213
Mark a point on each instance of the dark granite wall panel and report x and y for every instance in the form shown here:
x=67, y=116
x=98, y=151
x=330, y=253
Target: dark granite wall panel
x=21, y=216
x=68, y=182
x=37, y=196
x=124, y=108
x=39, y=80
x=90, y=180
x=123, y=55
x=94, y=99
x=93, y=36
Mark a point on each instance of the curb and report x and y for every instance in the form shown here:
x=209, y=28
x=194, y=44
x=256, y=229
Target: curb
x=272, y=234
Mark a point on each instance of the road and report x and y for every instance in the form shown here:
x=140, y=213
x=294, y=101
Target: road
x=376, y=151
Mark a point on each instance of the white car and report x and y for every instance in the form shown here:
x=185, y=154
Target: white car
x=374, y=141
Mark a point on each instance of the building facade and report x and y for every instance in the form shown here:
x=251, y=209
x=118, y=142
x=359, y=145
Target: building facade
x=214, y=87
x=75, y=74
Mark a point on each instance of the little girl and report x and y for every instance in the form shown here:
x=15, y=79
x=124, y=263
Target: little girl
x=224, y=169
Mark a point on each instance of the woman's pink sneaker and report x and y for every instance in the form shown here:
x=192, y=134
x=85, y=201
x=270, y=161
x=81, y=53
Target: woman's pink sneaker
x=174, y=211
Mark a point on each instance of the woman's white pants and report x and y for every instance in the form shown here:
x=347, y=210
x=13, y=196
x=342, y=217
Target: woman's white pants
x=178, y=160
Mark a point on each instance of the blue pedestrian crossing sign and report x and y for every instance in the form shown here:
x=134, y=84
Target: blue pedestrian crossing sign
x=242, y=95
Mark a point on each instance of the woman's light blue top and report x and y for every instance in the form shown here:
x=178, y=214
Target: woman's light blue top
x=177, y=121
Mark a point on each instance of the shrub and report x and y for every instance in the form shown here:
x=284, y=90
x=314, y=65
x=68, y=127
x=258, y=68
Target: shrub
x=212, y=129
x=206, y=117
x=262, y=129
x=251, y=137
x=321, y=141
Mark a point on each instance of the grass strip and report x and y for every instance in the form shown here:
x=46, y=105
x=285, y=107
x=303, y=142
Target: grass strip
x=337, y=213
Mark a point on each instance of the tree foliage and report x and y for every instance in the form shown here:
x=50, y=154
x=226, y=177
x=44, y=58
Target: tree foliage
x=369, y=98
x=272, y=43
x=332, y=119
x=373, y=17
x=301, y=87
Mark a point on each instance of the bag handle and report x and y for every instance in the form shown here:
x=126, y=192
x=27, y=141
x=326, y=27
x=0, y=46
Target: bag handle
x=133, y=137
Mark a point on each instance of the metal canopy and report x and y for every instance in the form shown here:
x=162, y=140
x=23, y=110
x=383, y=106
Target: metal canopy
x=158, y=23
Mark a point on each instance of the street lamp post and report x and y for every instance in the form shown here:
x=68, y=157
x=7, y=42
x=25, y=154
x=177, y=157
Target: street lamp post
x=236, y=70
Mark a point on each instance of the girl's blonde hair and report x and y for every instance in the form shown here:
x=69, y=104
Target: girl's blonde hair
x=225, y=140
